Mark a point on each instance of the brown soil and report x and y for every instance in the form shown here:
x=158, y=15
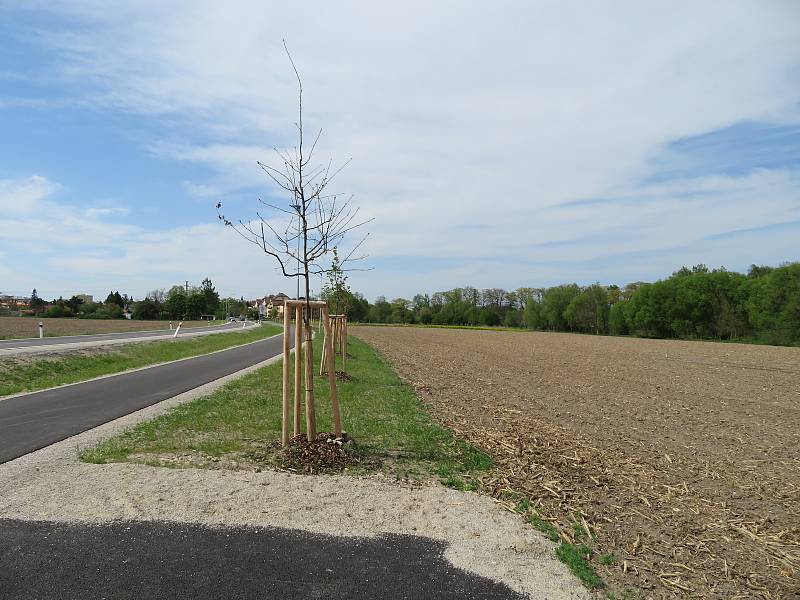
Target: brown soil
x=25, y=327
x=679, y=458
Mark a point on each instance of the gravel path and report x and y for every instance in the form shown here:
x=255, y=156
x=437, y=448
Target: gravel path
x=52, y=485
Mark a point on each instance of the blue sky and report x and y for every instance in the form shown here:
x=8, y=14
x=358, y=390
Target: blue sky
x=529, y=145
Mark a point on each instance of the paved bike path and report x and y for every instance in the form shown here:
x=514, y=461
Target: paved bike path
x=32, y=421
x=138, y=559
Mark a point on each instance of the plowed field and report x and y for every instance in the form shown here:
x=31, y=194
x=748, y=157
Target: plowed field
x=682, y=459
x=25, y=327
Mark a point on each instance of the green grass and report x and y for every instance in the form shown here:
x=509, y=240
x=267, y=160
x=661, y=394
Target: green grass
x=608, y=560
x=577, y=559
x=30, y=374
x=546, y=527
x=238, y=425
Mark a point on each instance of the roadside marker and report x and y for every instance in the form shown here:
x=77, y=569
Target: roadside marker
x=41, y=330
x=174, y=335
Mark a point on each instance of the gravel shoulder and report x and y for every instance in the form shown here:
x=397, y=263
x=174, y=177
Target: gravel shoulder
x=483, y=538
x=680, y=458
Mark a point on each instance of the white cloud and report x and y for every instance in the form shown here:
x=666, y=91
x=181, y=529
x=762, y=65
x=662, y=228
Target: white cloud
x=24, y=197
x=68, y=250
x=458, y=115
x=119, y=211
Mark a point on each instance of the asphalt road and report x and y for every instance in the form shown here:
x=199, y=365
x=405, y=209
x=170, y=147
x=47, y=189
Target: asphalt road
x=33, y=421
x=136, y=560
x=106, y=337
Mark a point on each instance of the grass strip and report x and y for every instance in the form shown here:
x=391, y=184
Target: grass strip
x=577, y=559
x=238, y=425
x=26, y=373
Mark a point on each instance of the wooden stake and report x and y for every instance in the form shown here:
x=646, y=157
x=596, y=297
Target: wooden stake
x=324, y=352
x=298, y=346
x=331, y=357
x=344, y=343
x=286, y=331
x=311, y=425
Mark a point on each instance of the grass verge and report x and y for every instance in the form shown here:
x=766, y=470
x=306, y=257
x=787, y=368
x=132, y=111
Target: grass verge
x=26, y=373
x=237, y=427
x=577, y=557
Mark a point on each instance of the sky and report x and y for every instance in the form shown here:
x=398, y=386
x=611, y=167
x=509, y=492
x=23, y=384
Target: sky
x=502, y=144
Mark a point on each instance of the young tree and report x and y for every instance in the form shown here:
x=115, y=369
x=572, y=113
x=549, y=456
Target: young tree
x=314, y=219
x=336, y=292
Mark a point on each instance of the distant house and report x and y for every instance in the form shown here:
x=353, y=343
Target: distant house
x=87, y=298
x=266, y=304
x=14, y=302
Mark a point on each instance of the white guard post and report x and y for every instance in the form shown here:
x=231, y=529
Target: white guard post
x=41, y=330
x=174, y=335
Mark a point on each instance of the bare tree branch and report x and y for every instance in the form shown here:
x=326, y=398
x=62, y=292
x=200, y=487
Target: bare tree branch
x=319, y=220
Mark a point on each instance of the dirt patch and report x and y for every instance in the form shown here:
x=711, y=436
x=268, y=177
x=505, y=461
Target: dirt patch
x=678, y=458
x=27, y=327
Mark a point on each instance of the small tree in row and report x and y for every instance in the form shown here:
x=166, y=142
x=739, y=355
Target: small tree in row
x=299, y=232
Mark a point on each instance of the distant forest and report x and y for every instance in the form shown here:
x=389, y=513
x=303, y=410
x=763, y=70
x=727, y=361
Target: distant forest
x=693, y=303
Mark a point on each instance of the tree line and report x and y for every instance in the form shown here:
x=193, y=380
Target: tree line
x=693, y=303
x=177, y=303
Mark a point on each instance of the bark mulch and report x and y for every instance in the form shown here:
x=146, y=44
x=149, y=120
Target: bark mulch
x=324, y=454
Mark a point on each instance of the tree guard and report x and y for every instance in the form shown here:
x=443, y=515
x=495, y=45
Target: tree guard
x=304, y=361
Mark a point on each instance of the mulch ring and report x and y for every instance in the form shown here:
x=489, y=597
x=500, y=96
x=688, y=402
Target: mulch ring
x=324, y=454
x=342, y=376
